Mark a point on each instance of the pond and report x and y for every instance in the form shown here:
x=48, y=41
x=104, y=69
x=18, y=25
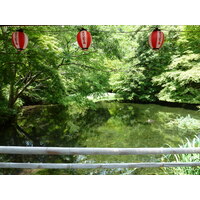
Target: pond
x=108, y=125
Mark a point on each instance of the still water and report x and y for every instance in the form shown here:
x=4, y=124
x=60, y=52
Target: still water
x=107, y=125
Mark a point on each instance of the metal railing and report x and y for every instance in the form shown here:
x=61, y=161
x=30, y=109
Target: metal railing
x=95, y=151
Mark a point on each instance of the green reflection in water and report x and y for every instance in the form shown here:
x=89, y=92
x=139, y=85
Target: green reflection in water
x=109, y=125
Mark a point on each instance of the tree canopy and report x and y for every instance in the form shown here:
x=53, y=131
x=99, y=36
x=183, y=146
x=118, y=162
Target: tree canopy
x=54, y=70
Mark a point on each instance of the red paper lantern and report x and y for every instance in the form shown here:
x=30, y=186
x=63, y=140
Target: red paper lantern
x=19, y=40
x=156, y=39
x=84, y=39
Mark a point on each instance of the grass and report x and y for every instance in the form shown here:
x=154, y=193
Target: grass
x=184, y=158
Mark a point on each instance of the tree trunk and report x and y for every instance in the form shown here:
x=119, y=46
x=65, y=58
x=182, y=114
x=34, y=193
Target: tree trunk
x=11, y=100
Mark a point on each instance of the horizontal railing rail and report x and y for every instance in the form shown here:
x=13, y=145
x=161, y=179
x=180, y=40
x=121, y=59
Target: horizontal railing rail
x=95, y=166
x=95, y=151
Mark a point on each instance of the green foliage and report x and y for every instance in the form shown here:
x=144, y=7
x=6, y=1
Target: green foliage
x=190, y=38
x=170, y=74
x=181, y=81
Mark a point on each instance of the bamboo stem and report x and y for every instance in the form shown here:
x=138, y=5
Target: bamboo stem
x=95, y=166
x=94, y=151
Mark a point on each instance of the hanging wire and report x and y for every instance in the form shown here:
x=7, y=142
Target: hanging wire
x=116, y=32
x=105, y=31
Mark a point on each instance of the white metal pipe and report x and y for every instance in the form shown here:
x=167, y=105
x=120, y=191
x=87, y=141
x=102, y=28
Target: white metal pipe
x=94, y=151
x=95, y=166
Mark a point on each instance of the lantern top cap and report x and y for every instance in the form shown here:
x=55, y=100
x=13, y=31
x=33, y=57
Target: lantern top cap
x=83, y=29
x=156, y=29
x=20, y=30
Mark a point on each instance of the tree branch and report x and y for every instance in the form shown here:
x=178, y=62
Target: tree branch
x=25, y=86
x=61, y=63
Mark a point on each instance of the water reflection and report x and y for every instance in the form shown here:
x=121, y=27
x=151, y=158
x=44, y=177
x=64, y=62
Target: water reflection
x=109, y=125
